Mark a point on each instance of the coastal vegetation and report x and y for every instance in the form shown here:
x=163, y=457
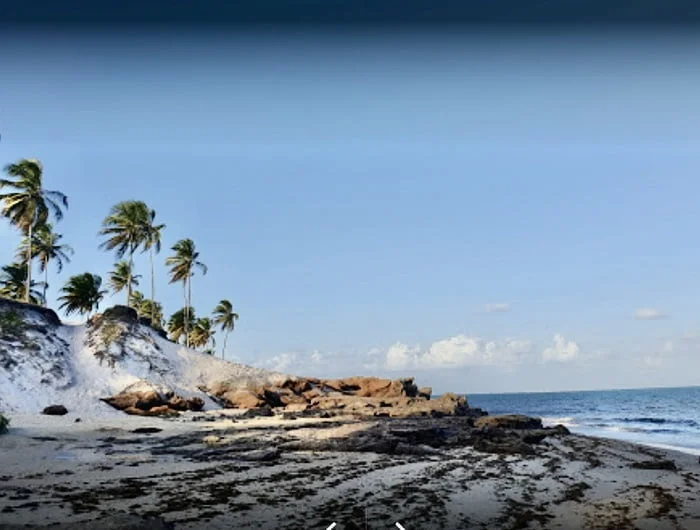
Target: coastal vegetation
x=130, y=227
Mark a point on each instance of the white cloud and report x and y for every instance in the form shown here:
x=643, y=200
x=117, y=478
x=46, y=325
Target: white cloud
x=497, y=308
x=457, y=351
x=562, y=350
x=648, y=313
x=280, y=363
x=317, y=357
x=401, y=355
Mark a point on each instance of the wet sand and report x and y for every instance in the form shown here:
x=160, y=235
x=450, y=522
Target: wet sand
x=213, y=470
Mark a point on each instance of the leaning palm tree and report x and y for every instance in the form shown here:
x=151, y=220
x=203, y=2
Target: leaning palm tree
x=82, y=294
x=152, y=244
x=46, y=246
x=121, y=277
x=28, y=205
x=125, y=229
x=179, y=323
x=225, y=318
x=13, y=284
x=202, y=333
x=182, y=265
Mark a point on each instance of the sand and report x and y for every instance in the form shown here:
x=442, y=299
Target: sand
x=217, y=471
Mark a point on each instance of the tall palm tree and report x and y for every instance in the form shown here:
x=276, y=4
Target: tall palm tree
x=152, y=244
x=121, y=277
x=225, y=318
x=28, y=205
x=179, y=323
x=47, y=246
x=202, y=333
x=13, y=284
x=182, y=265
x=125, y=229
x=82, y=294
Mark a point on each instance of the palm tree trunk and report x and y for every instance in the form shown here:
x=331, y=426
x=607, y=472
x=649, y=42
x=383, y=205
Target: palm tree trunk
x=128, y=279
x=46, y=283
x=223, y=350
x=189, y=302
x=153, y=287
x=29, y=263
x=187, y=316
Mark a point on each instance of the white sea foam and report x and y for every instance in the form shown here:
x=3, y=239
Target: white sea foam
x=566, y=421
x=680, y=449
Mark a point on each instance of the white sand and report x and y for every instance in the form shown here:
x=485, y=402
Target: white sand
x=56, y=471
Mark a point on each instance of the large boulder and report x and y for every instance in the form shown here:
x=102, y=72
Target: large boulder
x=55, y=410
x=367, y=386
x=242, y=399
x=143, y=399
x=122, y=313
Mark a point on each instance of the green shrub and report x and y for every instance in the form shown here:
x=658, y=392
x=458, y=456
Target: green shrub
x=4, y=423
x=11, y=324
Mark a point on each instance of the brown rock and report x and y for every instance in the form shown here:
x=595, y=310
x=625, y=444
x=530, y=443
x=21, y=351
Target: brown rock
x=290, y=398
x=242, y=399
x=177, y=403
x=508, y=421
x=367, y=386
x=148, y=399
x=134, y=411
x=195, y=403
x=425, y=392
x=298, y=386
x=311, y=394
x=162, y=410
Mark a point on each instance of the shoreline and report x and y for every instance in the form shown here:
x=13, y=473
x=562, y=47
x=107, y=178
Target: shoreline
x=218, y=470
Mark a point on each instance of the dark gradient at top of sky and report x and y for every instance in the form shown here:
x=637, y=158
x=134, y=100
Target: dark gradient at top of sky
x=309, y=13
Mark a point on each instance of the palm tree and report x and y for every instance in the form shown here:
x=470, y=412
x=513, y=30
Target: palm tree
x=225, y=318
x=182, y=265
x=146, y=308
x=82, y=294
x=28, y=204
x=125, y=229
x=121, y=276
x=136, y=300
x=13, y=284
x=46, y=246
x=180, y=322
x=202, y=333
x=151, y=244
x=153, y=311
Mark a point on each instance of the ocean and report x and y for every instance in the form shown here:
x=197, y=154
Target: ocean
x=661, y=417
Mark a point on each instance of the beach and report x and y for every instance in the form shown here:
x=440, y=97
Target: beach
x=218, y=469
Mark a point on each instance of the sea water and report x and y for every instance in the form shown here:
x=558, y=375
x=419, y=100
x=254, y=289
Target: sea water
x=661, y=417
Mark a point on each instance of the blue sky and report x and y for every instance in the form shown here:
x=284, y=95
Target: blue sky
x=364, y=199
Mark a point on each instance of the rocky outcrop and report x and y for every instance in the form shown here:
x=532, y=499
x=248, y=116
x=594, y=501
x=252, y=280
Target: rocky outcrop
x=151, y=402
x=48, y=315
x=359, y=396
x=55, y=410
x=508, y=421
x=512, y=434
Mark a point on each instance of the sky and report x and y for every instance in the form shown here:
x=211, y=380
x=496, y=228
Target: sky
x=487, y=212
